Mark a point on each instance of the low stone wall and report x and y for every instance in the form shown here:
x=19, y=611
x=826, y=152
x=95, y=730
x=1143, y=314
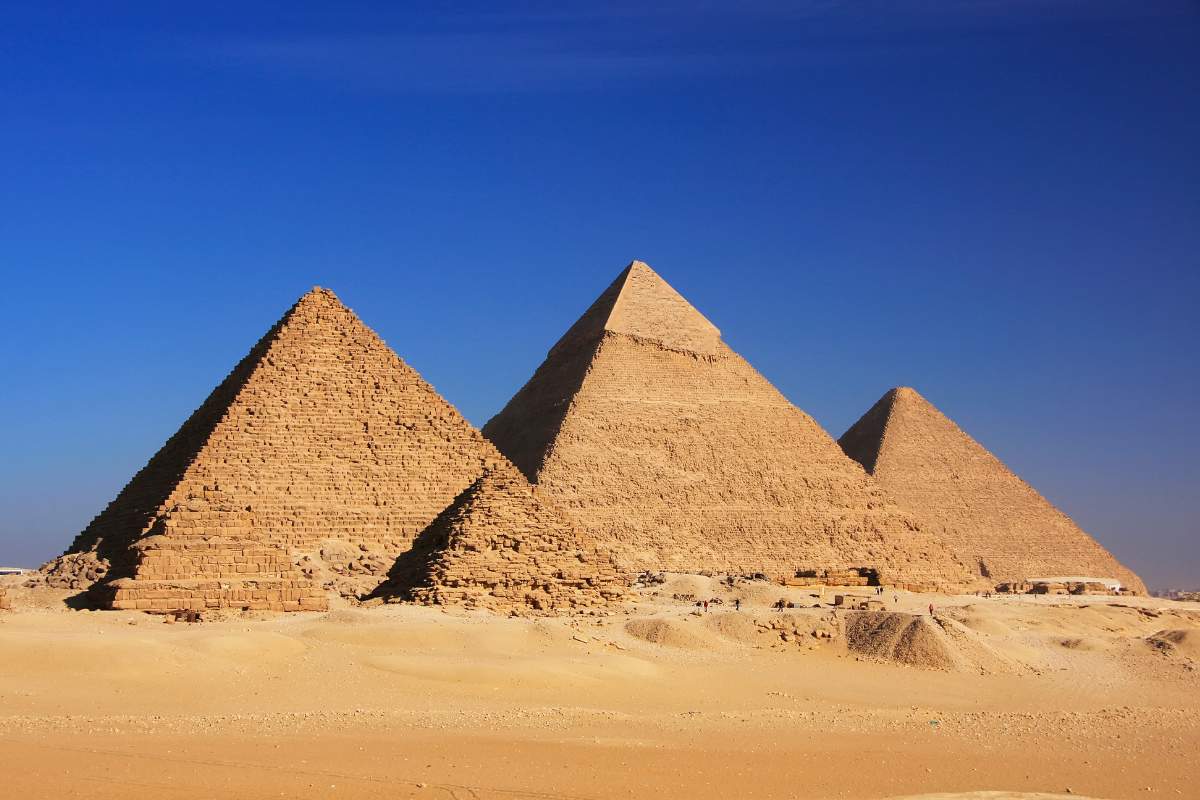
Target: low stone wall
x=251, y=595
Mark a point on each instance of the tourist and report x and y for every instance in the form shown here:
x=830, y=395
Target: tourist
x=931, y=609
x=737, y=604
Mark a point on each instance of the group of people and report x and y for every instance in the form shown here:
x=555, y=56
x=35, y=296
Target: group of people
x=782, y=602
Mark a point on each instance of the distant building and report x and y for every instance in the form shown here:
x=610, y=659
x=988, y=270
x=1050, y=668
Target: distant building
x=1180, y=594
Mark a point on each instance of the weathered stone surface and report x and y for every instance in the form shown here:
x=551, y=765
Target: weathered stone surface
x=500, y=546
x=663, y=444
x=969, y=499
x=320, y=433
x=5, y=603
x=70, y=571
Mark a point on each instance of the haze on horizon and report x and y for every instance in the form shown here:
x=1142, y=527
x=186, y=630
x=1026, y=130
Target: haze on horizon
x=994, y=202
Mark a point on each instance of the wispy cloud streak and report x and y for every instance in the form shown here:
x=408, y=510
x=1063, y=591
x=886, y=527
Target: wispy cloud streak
x=571, y=46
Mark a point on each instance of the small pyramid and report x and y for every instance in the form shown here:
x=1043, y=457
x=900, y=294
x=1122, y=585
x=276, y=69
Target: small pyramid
x=665, y=446
x=320, y=434
x=988, y=516
x=501, y=547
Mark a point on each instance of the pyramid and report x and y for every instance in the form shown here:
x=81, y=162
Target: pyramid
x=320, y=434
x=501, y=547
x=665, y=446
x=989, y=517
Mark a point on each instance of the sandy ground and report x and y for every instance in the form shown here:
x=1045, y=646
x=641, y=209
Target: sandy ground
x=1098, y=698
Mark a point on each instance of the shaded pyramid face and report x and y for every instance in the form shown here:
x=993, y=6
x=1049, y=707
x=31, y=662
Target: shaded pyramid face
x=501, y=547
x=663, y=444
x=320, y=434
x=989, y=517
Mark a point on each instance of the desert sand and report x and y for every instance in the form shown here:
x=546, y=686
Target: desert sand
x=1018, y=696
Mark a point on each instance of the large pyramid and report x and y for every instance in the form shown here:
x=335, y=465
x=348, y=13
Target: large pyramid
x=321, y=434
x=988, y=516
x=500, y=546
x=663, y=444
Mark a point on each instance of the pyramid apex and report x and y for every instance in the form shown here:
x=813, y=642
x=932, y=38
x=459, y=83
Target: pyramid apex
x=642, y=304
x=318, y=294
x=902, y=394
x=912, y=401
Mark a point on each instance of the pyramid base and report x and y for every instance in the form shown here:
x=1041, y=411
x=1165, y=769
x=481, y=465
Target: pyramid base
x=207, y=595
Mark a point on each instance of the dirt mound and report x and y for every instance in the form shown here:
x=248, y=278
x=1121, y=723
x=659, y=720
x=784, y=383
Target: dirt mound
x=986, y=652
x=903, y=638
x=1179, y=641
x=671, y=633
x=980, y=619
x=928, y=642
x=740, y=628
x=685, y=585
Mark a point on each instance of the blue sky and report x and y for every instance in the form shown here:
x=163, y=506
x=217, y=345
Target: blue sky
x=995, y=202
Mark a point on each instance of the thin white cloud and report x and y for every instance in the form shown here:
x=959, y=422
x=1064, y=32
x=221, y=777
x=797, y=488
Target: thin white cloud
x=546, y=47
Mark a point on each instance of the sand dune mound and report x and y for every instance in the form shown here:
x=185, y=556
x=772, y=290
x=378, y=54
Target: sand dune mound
x=988, y=653
x=903, y=638
x=685, y=584
x=732, y=625
x=981, y=620
x=671, y=633
x=1180, y=641
x=926, y=642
